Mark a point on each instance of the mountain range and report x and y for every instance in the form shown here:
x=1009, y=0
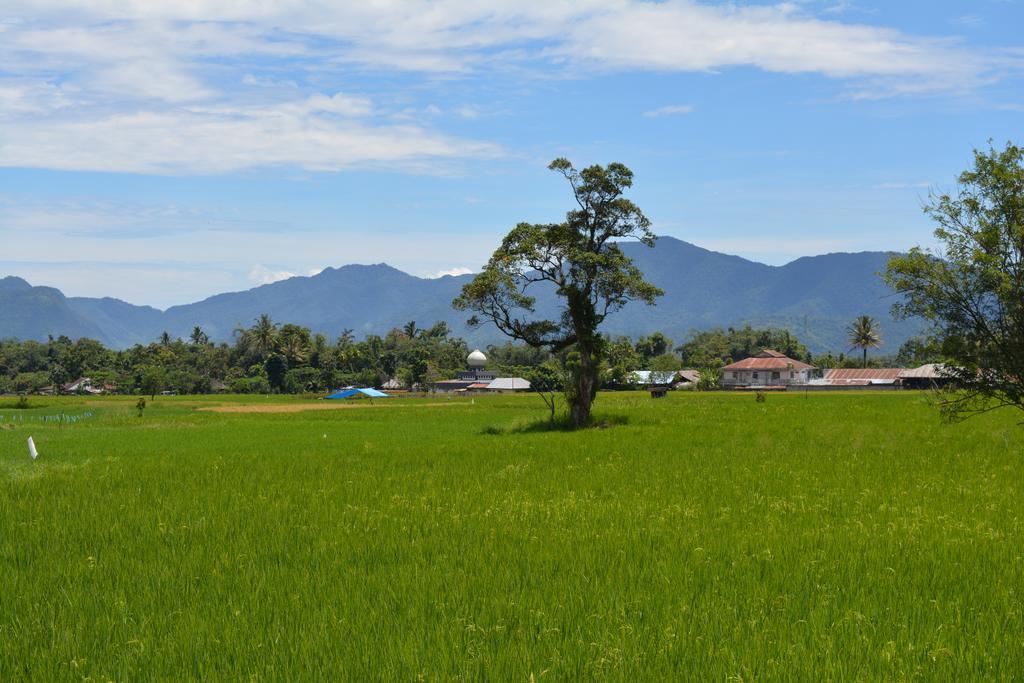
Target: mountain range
x=815, y=297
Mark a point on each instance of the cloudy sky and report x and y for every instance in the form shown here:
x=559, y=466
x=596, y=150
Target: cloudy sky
x=162, y=151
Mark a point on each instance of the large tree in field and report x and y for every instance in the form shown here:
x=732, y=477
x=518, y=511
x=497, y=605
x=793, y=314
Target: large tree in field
x=581, y=262
x=972, y=288
x=864, y=334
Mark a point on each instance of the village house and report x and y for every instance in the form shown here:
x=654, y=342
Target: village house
x=85, y=385
x=928, y=376
x=766, y=369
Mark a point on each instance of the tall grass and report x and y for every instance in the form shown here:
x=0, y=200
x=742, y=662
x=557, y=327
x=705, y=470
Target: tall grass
x=699, y=537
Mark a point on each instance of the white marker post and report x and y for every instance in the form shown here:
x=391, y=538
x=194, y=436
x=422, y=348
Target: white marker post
x=32, y=448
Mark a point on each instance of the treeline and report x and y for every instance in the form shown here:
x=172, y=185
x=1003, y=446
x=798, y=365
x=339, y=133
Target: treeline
x=264, y=358
x=272, y=358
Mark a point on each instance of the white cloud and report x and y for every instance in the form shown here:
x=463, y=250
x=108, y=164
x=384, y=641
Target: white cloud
x=261, y=275
x=164, y=86
x=268, y=82
x=458, y=270
x=320, y=133
x=685, y=36
x=669, y=110
x=452, y=35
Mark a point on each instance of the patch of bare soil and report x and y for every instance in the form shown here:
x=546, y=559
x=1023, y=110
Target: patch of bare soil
x=303, y=407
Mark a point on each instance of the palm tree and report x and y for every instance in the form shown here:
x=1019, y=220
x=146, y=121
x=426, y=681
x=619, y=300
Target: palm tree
x=165, y=339
x=198, y=337
x=410, y=329
x=864, y=334
x=264, y=336
x=293, y=348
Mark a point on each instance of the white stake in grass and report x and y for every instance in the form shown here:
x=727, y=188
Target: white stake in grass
x=32, y=448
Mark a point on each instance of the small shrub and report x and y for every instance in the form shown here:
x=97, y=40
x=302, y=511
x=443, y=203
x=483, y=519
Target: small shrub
x=761, y=396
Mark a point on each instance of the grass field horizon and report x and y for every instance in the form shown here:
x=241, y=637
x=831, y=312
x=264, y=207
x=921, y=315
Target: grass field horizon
x=701, y=536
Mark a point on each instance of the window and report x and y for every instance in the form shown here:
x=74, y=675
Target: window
x=775, y=375
x=755, y=375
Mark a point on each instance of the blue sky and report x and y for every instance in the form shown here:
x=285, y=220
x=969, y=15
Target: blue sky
x=161, y=151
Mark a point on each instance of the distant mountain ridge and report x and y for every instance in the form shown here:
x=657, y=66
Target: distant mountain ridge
x=815, y=297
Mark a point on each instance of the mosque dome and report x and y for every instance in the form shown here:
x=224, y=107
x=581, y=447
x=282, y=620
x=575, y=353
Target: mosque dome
x=476, y=359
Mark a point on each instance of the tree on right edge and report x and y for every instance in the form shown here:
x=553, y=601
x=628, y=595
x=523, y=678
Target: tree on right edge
x=972, y=288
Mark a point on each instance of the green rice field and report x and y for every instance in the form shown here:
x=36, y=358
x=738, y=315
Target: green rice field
x=697, y=537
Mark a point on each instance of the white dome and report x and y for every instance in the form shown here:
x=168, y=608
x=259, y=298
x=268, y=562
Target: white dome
x=476, y=359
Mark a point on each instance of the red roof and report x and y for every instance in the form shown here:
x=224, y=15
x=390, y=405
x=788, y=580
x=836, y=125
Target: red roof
x=769, y=359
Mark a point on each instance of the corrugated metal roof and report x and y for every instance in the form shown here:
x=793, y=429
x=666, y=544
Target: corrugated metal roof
x=692, y=376
x=852, y=382
x=775, y=362
x=508, y=384
x=927, y=371
x=847, y=374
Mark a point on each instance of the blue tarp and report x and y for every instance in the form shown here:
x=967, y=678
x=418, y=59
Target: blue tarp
x=349, y=393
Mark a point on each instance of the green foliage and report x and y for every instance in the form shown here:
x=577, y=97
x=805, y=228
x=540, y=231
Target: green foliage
x=250, y=385
x=702, y=537
x=265, y=357
x=581, y=261
x=710, y=378
x=918, y=351
x=303, y=380
x=620, y=359
x=726, y=346
x=653, y=346
x=516, y=355
x=972, y=290
x=30, y=382
x=666, y=362
x=153, y=380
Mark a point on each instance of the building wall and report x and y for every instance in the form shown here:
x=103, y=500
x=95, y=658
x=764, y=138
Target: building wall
x=764, y=377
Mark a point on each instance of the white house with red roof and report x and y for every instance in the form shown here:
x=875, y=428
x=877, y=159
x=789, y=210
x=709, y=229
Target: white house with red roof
x=766, y=369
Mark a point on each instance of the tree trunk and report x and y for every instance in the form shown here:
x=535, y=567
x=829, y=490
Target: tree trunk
x=865, y=356
x=583, y=394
